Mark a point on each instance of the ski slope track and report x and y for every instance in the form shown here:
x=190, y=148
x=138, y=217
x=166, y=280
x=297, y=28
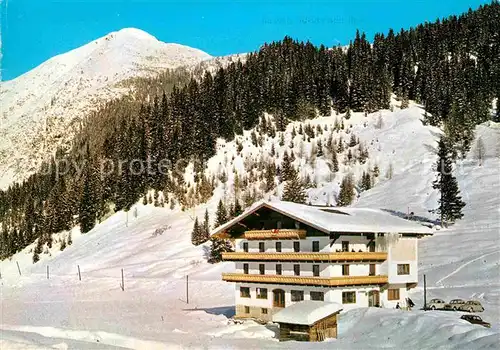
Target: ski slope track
x=461, y=261
x=42, y=108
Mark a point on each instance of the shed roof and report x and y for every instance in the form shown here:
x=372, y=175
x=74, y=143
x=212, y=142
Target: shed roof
x=306, y=312
x=336, y=219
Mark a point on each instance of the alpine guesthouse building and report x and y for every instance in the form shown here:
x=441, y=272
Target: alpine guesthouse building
x=287, y=252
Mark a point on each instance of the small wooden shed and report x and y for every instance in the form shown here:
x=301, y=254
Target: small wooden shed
x=308, y=320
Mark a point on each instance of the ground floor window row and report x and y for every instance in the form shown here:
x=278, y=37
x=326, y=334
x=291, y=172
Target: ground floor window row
x=348, y=297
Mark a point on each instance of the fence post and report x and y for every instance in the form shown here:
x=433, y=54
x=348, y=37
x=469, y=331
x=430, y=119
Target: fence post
x=123, y=282
x=425, y=294
x=18, y=268
x=187, y=289
x=79, y=274
x=47, y=271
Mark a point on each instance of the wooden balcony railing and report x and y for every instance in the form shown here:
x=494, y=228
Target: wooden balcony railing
x=325, y=257
x=275, y=234
x=303, y=280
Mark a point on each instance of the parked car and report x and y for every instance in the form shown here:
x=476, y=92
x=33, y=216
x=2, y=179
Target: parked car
x=454, y=304
x=472, y=306
x=474, y=319
x=435, y=304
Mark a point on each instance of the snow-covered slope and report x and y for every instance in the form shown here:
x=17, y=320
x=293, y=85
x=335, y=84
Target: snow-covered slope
x=462, y=261
x=43, y=107
x=459, y=261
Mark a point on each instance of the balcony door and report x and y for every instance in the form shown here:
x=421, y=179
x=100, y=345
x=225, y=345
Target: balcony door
x=278, y=298
x=371, y=247
x=372, y=269
x=374, y=298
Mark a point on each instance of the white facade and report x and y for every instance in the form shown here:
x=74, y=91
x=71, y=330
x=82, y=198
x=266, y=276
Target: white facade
x=350, y=256
x=400, y=251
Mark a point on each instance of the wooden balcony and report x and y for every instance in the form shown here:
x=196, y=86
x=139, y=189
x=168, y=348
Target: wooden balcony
x=275, y=234
x=320, y=257
x=308, y=281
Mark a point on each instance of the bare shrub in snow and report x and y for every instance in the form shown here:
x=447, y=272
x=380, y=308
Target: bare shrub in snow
x=480, y=151
x=390, y=172
x=380, y=123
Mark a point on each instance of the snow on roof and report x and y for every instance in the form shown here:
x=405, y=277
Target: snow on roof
x=306, y=312
x=336, y=219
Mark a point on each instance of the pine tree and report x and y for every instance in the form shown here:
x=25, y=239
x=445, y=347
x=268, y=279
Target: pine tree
x=294, y=190
x=353, y=142
x=334, y=161
x=218, y=247
x=269, y=177
x=220, y=215
x=346, y=194
x=365, y=183
x=205, y=232
x=38, y=250
x=196, y=233
x=340, y=147
x=347, y=116
x=287, y=170
x=282, y=139
x=450, y=201
x=87, y=210
x=236, y=209
x=320, y=149
x=63, y=244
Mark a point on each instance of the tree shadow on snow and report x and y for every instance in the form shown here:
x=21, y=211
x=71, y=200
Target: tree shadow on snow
x=422, y=219
x=227, y=311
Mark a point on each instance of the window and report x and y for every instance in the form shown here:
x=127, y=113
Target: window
x=261, y=247
x=371, y=246
x=316, y=246
x=372, y=270
x=247, y=309
x=244, y=292
x=278, y=224
x=297, y=295
x=315, y=270
x=262, y=269
x=278, y=246
x=296, y=246
x=348, y=297
x=278, y=269
x=393, y=294
x=245, y=269
x=264, y=311
x=345, y=246
x=296, y=269
x=345, y=270
x=245, y=246
x=318, y=296
x=261, y=293
x=403, y=269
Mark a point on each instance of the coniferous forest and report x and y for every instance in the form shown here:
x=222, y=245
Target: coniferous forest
x=450, y=66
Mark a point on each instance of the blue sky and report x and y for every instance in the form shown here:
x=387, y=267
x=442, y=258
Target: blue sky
x=35, y=30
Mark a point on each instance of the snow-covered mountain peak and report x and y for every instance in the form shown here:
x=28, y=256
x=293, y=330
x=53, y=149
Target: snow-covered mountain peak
x=133, y=32
x=41, y=108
